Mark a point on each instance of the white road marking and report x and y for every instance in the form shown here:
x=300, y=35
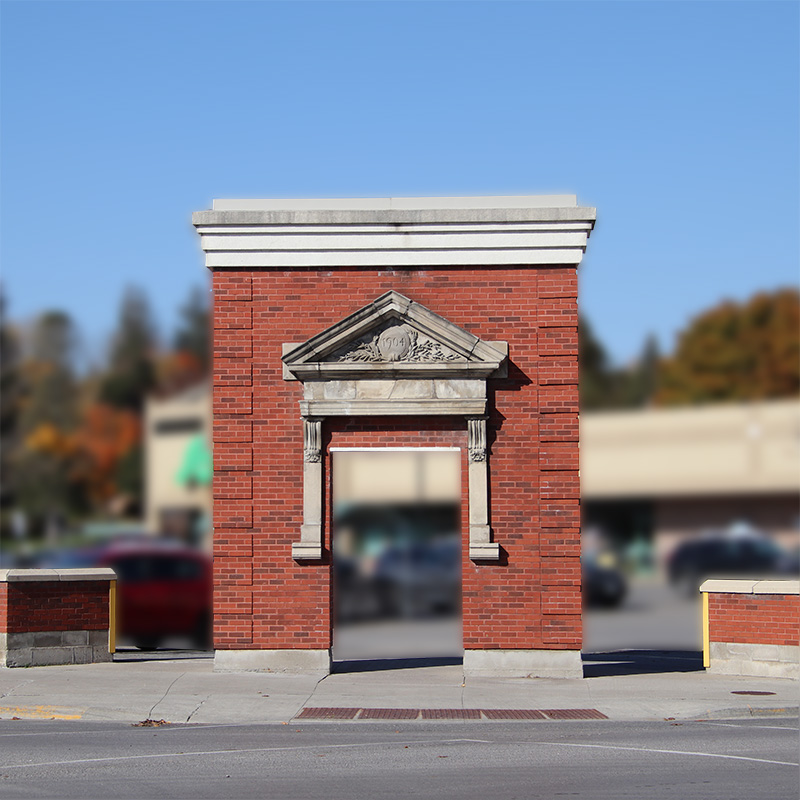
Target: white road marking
x=237, y=750
x=749, y=727
x=671, y=752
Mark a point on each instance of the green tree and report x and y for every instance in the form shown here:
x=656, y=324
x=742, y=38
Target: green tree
x=47, y=418
x=596, y=382
x=605, y=387
x=132, y=366
x=737, y=351
x=640, y=381
x=9, y=402
x=193, y=334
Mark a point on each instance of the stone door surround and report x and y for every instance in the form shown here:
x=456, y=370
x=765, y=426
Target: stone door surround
x=394, y=357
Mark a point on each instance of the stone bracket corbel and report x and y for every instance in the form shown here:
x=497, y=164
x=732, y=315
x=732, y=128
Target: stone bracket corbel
x=309, y=548
x=481, y=547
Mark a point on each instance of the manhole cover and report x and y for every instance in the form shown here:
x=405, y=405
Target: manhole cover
x=750, y=691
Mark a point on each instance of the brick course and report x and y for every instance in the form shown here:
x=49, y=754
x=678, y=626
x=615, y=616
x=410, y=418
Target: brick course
x=33, y=606
x=754, y=618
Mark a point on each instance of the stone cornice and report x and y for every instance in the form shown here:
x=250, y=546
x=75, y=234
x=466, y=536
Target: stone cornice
x=443, y=231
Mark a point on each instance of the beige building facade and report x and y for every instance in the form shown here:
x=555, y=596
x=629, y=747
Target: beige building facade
x=177, y=451
x=681, y=471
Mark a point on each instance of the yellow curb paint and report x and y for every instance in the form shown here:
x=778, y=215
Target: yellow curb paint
x=112, y=617
x=706, y=637
x=39, y=712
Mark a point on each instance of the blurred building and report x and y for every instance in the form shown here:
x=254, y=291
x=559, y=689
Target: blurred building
x=661, y=475
x=178, y=465
x=648, y=477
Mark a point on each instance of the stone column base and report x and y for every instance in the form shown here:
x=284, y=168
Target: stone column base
x=291, y=662
x=763, y=660
x=50, y=648
x=523, y=663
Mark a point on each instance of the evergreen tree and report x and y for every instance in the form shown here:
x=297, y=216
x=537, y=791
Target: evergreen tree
x=641, y=380
x=131, y=372
x=596, y=381
x=9, y=402
x=193, y=335
x=47, y=418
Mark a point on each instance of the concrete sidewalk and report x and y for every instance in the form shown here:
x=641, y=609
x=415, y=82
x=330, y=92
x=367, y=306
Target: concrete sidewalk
x=186, y=689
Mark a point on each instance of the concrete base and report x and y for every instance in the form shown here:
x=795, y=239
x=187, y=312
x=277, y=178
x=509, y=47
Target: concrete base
x=763, y=660
x=292, y=662
x=49, y=648
x=523, y=663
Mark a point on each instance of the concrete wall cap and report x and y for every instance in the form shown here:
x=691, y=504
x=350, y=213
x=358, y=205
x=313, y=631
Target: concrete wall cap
x=87, y=574
x=729, y=586
x=777, y=587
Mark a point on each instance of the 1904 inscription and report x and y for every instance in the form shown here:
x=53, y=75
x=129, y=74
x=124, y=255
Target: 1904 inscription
x=395, y=342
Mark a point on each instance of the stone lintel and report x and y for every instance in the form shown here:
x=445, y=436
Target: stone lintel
x=289, y=662
x=392, y=408
x=523, y=663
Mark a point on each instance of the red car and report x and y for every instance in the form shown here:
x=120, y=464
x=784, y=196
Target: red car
x=163, y=590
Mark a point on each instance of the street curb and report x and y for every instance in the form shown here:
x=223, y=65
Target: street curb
x=752, y=711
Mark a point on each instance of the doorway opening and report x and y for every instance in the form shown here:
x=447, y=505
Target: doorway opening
x=396, y=557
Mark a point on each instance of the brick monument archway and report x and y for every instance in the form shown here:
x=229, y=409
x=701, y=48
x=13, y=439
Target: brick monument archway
x=447, y=322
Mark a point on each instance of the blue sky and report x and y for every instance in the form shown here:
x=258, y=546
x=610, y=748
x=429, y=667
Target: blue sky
x=678, y=121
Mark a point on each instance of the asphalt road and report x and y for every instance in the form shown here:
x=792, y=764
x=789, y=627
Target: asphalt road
x=745, y=758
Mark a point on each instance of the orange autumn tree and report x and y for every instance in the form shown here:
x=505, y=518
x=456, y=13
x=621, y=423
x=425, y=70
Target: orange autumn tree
x=737, y=351
x=104, y=438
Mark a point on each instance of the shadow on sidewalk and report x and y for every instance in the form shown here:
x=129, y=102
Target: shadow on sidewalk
x=640, y=662
x=381, y=664
x=134, y=654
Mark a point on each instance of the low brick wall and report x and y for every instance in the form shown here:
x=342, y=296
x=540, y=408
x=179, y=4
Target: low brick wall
x=56, y=616
x=752, y=627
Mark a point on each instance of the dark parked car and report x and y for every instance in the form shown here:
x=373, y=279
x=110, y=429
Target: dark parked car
x=601, y=585
x=726, y=557
x=420, y=580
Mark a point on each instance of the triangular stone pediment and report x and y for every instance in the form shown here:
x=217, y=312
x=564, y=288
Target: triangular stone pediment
x=393, y=336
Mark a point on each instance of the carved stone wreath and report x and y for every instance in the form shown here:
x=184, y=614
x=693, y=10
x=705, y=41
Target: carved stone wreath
x=397, y=343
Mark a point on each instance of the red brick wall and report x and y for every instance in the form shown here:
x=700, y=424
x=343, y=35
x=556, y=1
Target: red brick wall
x=54, y=606
x=3, y=607
x=264, y=599
x=754, y=618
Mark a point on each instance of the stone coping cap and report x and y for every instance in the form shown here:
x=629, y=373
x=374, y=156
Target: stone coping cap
x=395, y=203
x=81, y=574
x=771, y=586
